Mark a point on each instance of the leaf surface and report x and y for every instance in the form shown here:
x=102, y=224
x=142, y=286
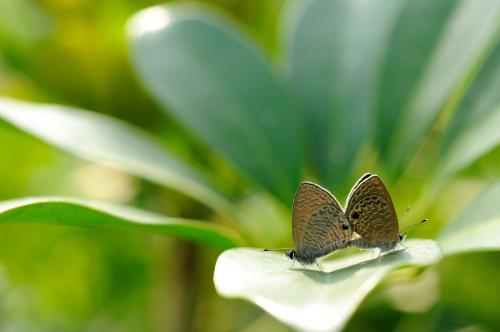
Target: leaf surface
x=477, y=227
x=76, y=212
x=306, y=298
x=101, y=138
x=333, y=49
x=425, y=69
x=201, y=68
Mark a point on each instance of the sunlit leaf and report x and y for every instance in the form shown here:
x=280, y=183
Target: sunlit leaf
x=425, y=66
x=399, y=75
x=477, y=227
x=76, y=212
x=333, y=48
x=308, y=299
x=473, y=130
x=217, y=82
x=101, y=138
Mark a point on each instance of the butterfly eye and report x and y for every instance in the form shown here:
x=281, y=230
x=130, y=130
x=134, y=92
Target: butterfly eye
x=345, y=226
x=355, y=215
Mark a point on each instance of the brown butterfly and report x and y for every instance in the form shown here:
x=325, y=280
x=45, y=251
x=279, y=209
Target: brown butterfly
x=371, y=214
x=319, y=225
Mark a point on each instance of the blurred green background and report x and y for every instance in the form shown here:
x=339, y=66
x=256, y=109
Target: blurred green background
x=75, y=52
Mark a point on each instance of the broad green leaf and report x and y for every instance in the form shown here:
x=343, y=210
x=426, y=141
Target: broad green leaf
x=482, y=136
x=333, y=50
x=216, y=81
x=304, y=297
x=473, y=130
x=477, y=227
x=101, y=138
x=425, y=65
x=409, y=48
x=77, y=212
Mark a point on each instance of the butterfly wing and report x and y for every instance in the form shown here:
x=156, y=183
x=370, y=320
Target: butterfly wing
x=319, y=225
x=371, y=212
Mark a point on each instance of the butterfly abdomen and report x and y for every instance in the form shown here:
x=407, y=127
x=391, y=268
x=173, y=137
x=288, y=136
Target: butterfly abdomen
x=365, y=244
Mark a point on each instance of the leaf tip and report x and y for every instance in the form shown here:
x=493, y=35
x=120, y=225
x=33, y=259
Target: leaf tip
x=149, y=20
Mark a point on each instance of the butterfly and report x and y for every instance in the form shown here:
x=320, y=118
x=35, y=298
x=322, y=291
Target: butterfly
x=319, y=225
x=371, y=214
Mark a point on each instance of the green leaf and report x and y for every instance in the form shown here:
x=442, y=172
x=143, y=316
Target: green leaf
x=78, y=212
x=473, y=130
x=477, y=227
x=399, y=77
x=22, y=24
x=217, y=82
x=424, y=66
x=101, y=138
x=303, y=297
x=333, y=49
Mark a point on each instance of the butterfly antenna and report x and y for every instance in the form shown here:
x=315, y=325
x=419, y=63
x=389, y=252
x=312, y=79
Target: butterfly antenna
x=415, y=224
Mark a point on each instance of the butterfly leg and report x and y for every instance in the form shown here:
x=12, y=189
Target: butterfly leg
x=291, y=266
x=379, y=254
x=395, y=249
x=319, y=266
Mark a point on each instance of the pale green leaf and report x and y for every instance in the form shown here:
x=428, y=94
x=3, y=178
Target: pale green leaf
x=473, y=129
x=333, y=49
x=477, y=227
x=101, y=138
x=426, y=64
x=203, y=69
x=304, y=297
